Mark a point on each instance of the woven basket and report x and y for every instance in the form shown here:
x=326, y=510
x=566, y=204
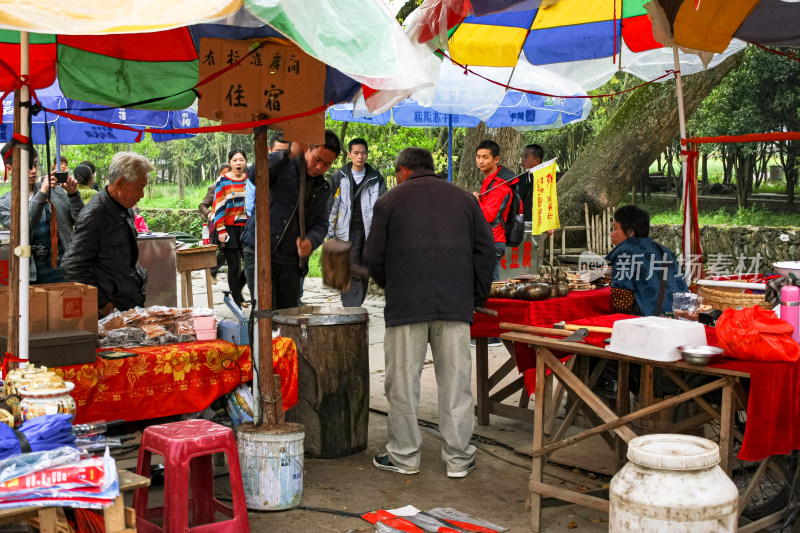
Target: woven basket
x=729, y=298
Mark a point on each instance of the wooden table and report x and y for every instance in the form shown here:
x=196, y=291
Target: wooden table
x=578, y=304
x=190, y=259
x=574, y=379
x=118, y=518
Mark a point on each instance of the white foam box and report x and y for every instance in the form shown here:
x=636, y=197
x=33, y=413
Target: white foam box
x=655, y=338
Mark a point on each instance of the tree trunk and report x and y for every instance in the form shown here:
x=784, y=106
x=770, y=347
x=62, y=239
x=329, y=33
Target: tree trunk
x=789, y=155
x=342, y=133
x=642, y=127
x=509, y=139
x=704, y=172
x=744, y=177
x=670, y=173
x=181, y=179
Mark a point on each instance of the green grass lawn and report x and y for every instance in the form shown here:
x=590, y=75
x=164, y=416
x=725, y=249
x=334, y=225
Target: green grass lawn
x=715, y=176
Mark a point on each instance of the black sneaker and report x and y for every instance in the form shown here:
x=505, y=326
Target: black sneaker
x=463, y=473
x=381, y=460
x=495, y=341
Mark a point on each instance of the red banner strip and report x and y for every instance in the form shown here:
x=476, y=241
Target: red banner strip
x=506, y=86
x=747, y=138
x=202, y=129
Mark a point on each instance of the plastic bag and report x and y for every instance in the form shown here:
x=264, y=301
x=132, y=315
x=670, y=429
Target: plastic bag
x=756, y=334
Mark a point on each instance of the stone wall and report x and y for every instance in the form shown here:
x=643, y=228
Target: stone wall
x=772, y=244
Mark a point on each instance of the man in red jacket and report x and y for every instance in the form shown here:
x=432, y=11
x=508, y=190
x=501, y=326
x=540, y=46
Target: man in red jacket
x=495, y=195
x=495, y=201
x=431, y=250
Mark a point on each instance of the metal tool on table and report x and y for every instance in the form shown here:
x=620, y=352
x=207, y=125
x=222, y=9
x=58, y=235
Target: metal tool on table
x=576, y=335
x=574, y=327
x=237, y=332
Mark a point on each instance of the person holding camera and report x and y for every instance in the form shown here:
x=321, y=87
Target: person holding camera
x=52, y=211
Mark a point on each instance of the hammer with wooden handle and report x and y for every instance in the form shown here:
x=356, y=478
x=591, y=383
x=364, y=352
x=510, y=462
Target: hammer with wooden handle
x=575, y=327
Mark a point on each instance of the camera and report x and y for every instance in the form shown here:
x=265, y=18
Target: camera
x=61, y=177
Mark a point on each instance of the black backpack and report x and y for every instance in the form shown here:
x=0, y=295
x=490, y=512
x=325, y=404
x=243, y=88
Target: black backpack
x=514, y=224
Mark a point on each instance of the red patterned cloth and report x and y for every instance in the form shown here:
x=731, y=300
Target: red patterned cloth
x=773, y=406
x=171, y=380
x=543, y=313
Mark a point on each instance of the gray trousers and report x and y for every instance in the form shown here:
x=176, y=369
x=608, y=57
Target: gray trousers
x=355, y=295
x=405, y=348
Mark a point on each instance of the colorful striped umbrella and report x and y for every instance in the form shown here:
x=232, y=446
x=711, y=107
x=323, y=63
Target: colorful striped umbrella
x=103, y=61
x=69, y=131
x=586, y=42
x=711, y=26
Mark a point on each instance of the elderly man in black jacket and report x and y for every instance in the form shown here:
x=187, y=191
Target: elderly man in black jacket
x=103, y=252
x=432, y=250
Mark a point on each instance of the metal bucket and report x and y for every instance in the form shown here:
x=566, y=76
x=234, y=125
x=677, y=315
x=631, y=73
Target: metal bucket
x=272, y=466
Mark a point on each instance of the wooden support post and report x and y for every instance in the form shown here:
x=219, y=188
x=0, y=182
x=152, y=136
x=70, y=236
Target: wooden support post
x=726, y=412
x=537, y=464
x=269, y=394
x=588, y=227
x=623, y=408
x=482, y=379
x=48, y=520
x=13, y=260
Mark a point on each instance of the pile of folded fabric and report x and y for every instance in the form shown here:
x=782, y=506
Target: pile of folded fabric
x=58, y=477
x=37, y=434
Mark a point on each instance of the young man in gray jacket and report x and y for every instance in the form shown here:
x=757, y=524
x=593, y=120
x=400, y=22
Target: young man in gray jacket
x=355, y=187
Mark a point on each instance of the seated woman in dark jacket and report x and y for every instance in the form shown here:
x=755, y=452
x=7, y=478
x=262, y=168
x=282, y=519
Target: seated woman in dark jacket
x=639, y=266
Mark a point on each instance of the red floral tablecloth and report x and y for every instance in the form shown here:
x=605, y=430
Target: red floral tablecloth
x=171, y=380
x=544, y=313
x=773, y=407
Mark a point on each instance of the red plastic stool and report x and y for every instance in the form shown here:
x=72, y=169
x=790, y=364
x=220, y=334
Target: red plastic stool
x=186, y=448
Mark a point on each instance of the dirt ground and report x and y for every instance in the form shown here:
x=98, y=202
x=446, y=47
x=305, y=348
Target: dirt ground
x=496, y=490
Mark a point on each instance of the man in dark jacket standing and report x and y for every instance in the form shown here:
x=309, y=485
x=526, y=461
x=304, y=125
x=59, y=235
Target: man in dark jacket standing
x=432, y=250
x=355, y=189
x=103, y=252
x=284, y=199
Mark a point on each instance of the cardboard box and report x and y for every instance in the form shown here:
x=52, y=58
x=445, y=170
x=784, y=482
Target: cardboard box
x=60, y=348
x=38, y=311
x=70, y=306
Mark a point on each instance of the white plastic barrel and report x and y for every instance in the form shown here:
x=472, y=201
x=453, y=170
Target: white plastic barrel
x=672, y=484
x=272, y=465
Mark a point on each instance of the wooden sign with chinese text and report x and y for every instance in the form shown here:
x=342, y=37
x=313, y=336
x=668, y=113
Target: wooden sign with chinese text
x=277, y=80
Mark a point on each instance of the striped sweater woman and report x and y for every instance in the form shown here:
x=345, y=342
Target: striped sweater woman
x=230, y=218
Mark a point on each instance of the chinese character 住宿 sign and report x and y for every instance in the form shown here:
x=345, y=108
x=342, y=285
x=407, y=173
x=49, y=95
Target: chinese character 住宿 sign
x=276, y=80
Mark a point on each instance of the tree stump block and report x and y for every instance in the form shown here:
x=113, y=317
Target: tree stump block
x=333, y=377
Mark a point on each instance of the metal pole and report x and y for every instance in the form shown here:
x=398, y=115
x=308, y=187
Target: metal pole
x=24, y=249
x=687, y=244
x=450, y=148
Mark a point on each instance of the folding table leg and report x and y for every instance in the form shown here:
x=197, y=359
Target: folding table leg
x=623, y=408
x=726, y=420
x=482, y=380
x=537, y=468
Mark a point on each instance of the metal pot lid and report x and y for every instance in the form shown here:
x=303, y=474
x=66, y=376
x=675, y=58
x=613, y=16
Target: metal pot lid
x=321, y=315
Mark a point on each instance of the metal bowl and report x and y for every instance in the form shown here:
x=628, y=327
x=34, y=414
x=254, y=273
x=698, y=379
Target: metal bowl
x=696, y=354
x=788, y=267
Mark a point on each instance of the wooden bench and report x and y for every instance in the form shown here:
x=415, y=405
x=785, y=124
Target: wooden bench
x=118, y=518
